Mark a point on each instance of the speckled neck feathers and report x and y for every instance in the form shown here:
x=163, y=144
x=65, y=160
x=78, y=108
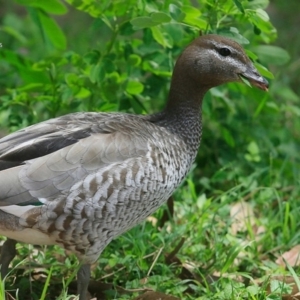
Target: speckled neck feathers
x=182, y=114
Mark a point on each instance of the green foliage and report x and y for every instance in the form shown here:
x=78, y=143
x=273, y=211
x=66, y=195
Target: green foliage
x=118, y=55
x=134, y=45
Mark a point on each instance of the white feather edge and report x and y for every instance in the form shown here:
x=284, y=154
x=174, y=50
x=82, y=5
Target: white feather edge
x=16, y=210
x=22, y=145
x=27, y=235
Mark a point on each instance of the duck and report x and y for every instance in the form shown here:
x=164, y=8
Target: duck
x=82, y=179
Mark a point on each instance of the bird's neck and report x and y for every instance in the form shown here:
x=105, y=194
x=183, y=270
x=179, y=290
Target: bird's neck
x=182, y=114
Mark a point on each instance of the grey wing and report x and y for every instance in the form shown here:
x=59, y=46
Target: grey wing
x=61, y=157
x=46, y=137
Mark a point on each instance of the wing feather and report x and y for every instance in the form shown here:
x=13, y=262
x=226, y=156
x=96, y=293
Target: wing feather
x=49, y=172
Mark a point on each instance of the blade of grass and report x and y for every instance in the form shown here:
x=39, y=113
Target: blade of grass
x=292, y=271
x=46, y=284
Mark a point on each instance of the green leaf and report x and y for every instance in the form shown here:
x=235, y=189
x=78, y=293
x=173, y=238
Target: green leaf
x=155, y=19
x=260, y=25
x=115, y=77
x=192, y=15
x=228, y=137
x=253, y=152
x=239, y=5
x=24, y=67
x=253, y=290
x=176, y=13
x=253, y=148
x=71, y=79
x=134, y=60
x=262, y=14
x=136, y=105
x=233, y=34
x=50, y=6
x=161, y=37
x=14, y=33
x=264, y=71
x=92, y=57
x=200, y=23
x=159, y=17
x=246, y=81
x=83, y=93
x=31, y=87
x=191, y=11
x=30, y=76
x=256, y=30
x=294, y=109
x=261, y=105
x=100, y=70
x=142, y=22
x=134, y=87
x=280, y=287
x=254, y=4
x=251, y=55
x=151, y=66
x=15, y=59
x=285, y=92
x=108, y=65
x=52, y=31
x=97, y=73
x=272, y=54
x=273, y=105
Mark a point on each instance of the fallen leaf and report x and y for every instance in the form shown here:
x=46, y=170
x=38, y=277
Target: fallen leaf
x=242, y=215
x=155, y=296
x=39, y=274
x=290, y=297
x=152, y=220
x=243, y=218
x=289, y=280
x=292, y=257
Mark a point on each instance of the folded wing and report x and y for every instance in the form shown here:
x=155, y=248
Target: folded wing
x=46, y=159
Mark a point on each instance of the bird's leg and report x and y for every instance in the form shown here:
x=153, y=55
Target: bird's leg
x=83, y=279
x=8, y=252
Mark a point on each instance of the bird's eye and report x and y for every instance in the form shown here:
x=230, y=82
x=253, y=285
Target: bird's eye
x=224, y=51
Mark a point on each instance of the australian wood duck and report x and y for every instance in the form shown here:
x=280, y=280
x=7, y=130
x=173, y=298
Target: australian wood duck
x=80, y=180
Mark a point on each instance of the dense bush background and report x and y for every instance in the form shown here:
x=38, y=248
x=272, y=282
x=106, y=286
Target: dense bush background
x=85, y=55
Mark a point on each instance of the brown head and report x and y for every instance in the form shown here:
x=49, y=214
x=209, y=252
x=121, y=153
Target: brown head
x=211, y=60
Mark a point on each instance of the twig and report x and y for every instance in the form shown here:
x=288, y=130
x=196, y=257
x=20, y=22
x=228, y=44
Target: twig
x=155, y=260
x=175, y=251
